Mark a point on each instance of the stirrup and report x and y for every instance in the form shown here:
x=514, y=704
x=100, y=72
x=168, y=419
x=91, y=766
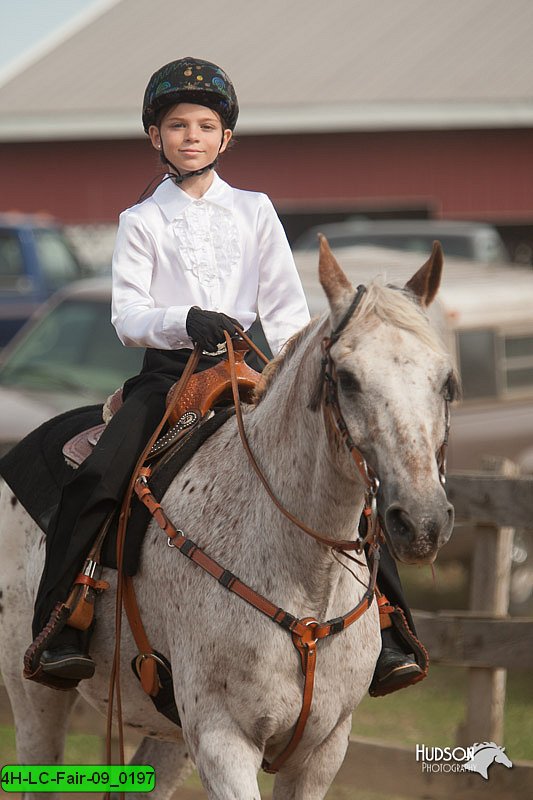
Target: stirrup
x=164, y=699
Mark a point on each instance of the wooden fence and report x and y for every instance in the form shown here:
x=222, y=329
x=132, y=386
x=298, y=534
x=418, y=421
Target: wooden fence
x=483, y=638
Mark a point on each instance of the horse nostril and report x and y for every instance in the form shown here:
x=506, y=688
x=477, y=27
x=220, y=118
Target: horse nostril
x=399, y=523
x=447, y=529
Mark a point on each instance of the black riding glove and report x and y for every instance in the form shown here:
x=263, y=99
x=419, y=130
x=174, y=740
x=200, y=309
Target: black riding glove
x=206, y=328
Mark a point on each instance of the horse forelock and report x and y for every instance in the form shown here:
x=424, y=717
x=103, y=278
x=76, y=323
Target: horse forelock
x=396, y=307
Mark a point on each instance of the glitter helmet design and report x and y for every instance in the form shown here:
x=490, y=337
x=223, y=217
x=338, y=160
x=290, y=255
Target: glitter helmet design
x=190, y=80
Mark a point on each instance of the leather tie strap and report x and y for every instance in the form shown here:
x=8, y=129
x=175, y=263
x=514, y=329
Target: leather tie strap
x=86, y=580
x=148, y=666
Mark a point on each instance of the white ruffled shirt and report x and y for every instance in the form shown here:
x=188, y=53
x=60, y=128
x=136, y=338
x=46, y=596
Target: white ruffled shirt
x=226, y=251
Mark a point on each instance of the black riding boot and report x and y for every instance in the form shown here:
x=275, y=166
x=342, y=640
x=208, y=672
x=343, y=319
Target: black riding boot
x=396, y=667
x=68, y=656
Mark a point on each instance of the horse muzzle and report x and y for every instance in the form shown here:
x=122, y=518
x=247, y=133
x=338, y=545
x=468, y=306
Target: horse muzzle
x=416, y=533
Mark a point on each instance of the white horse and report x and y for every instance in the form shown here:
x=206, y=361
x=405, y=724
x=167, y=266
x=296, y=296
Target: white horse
x=237, y=676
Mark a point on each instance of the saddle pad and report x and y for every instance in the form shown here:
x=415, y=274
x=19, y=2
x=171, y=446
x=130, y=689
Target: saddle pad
x=35, y=470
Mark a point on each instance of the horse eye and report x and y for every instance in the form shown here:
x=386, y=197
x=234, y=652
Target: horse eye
x=451, y=389
x=348, y=381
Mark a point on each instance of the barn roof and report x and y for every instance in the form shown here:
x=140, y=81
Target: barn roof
x=299, y=66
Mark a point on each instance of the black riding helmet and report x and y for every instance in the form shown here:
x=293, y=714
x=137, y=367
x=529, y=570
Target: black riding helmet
x=190, y=80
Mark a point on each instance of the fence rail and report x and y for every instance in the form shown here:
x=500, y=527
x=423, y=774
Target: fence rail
x=393, y=771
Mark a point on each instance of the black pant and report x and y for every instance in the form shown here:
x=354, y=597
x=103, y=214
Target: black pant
x=96, y=488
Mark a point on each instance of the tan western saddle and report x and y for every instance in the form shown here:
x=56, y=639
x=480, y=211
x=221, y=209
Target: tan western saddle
x=205, y=390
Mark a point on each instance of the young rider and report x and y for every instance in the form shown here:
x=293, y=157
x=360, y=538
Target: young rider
x=190, y=261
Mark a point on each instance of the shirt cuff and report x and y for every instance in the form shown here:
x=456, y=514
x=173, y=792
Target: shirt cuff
x=174, y=327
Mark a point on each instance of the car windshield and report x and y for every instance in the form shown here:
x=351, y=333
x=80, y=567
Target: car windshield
x=482, y=247
x=72, y=348
x=57, y=260
x=417, y=243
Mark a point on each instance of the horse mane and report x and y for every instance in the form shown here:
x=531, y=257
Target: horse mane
x=274, y=367
x=385, y=303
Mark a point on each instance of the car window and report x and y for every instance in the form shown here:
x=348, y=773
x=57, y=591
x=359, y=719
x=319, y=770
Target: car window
x=477, y=360
x=518, y=361
x=494, y=364
x=12, y=276
x=480, y=245
x=459, y=246
x=74, y=345
x=57, y=261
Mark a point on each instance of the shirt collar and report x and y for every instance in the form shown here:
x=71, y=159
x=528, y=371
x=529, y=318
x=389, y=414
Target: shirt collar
x=173, y=201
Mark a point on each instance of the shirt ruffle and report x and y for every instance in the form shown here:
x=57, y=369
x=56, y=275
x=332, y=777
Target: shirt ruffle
x=208, y=242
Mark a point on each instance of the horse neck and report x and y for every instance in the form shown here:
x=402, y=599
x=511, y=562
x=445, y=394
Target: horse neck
x=307, y=473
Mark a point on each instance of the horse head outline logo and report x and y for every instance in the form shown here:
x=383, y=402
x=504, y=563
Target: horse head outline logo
x=485, y=754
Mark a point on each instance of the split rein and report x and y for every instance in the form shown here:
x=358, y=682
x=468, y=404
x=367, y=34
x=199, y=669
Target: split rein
x=305, y=632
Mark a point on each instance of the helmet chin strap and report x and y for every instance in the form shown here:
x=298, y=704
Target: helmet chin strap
x=179, y=177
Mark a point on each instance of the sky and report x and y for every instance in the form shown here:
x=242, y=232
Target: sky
x=24, y=23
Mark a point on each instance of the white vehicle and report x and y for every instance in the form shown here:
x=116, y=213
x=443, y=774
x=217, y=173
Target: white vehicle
x=475, y=241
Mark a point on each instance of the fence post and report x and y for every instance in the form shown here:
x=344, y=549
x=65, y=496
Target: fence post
x=489, y=594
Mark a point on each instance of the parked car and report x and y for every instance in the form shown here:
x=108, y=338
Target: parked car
x=36, y=259
x=485, y=317
x=67, y=355
x=469, y=240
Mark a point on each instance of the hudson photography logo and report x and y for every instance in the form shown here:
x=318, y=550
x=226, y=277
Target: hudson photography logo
x=477, y=758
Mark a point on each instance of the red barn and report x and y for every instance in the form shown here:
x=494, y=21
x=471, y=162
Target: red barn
x=385, y=109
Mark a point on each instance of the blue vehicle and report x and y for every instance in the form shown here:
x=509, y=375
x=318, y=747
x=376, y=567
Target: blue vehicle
x=35, y=260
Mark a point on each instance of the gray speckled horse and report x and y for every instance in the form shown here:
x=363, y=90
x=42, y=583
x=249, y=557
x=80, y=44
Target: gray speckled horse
x=237, y=676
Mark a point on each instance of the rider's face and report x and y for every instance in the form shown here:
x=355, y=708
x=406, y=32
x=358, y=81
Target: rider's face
x=191, y=135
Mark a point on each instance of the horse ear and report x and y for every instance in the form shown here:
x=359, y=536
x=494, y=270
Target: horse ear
x=336, y=285
x=425, y=283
